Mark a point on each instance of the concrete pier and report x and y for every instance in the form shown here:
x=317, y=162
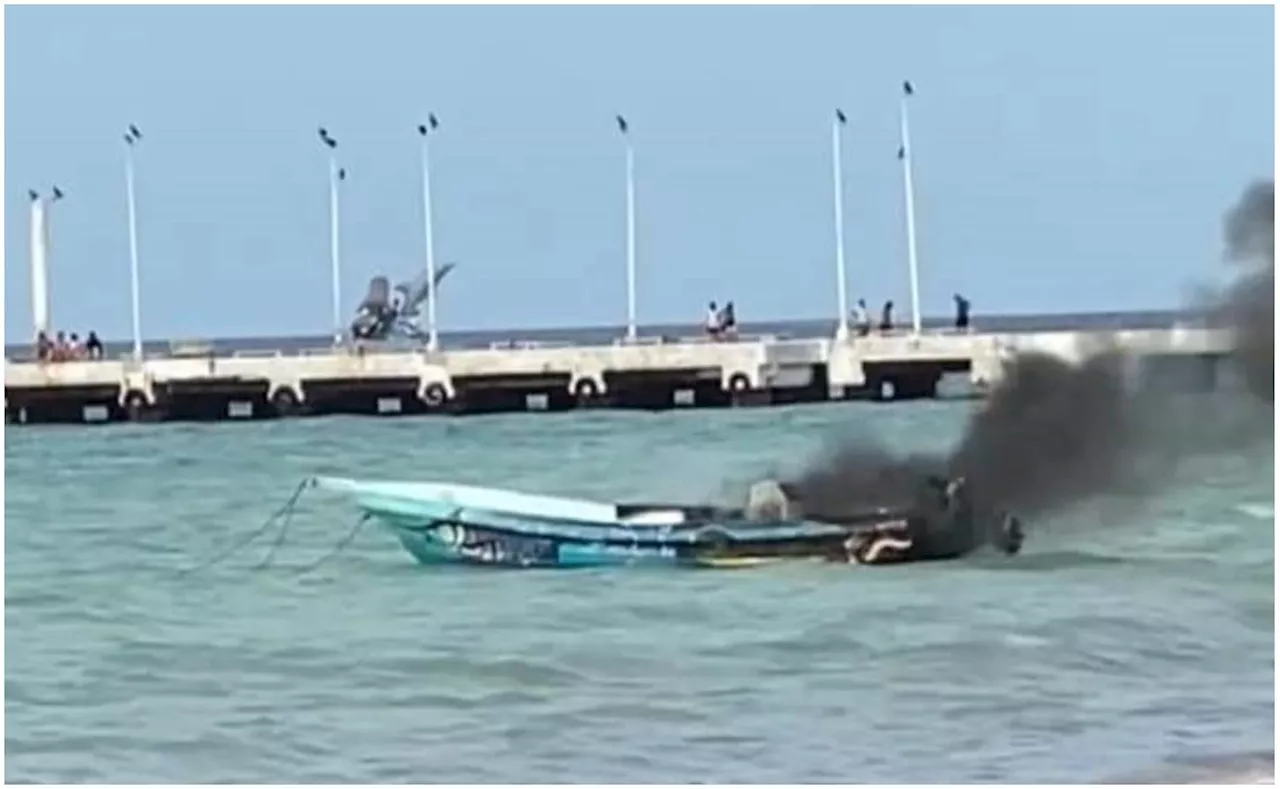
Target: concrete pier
x=658, y=374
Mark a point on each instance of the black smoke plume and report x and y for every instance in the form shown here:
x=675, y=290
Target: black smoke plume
x=1053, y=434
x=1249, y=308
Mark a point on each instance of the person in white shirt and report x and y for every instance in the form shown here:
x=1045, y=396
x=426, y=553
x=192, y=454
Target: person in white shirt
x=861, y=318
x=714, y=324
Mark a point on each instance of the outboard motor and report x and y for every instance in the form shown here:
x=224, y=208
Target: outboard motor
x=768, y=501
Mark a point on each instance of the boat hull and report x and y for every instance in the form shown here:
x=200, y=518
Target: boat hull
x=442, y=523
x=448, y=523
x=440, y=541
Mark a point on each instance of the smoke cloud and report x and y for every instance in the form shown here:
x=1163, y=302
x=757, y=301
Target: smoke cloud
x=1052, y=434
x=1249, y=308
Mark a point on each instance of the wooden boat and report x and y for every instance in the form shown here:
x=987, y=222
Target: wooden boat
x=440, y=522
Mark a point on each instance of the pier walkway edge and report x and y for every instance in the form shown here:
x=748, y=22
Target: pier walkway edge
x=654, y=373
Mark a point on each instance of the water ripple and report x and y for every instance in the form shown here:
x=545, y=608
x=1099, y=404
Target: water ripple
x=1110, y=649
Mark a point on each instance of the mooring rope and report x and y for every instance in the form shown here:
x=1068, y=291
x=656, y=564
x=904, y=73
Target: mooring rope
x=285, y=511
x=279, y=540
x=343, y=543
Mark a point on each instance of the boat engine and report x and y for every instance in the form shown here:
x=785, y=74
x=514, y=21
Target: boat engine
x=767, y=500
x=941, y=522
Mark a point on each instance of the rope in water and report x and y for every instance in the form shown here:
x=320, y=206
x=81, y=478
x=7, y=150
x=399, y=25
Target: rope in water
x=285, y=512
x=285, y=521
x=343, y=543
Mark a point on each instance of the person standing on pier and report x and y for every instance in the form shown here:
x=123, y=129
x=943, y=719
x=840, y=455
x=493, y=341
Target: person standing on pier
x=44, y=347
x=713, y=320
x=728, y=320
x=886, y=317
x=861, y=318
x=93, y=345
x=962, y=312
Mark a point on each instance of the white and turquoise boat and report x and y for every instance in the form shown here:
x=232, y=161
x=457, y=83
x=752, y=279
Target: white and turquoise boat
x=442, y=522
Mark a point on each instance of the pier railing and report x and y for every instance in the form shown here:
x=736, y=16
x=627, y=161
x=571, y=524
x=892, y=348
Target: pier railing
x=536, y=356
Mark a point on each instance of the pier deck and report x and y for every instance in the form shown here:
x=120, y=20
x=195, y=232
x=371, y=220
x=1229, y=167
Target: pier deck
x=653, y=374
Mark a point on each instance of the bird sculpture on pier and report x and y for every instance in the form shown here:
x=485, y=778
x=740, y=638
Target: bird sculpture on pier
x=387, y=312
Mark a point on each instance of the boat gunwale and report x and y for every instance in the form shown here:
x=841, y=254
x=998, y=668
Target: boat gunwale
x=504, y=503
x=699, y=533
x=412, y=514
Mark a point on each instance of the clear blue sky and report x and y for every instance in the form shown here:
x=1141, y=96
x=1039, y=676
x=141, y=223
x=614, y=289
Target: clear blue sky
x=1066, y=158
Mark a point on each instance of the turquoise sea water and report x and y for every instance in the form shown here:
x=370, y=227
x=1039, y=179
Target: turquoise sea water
x=1116, y=645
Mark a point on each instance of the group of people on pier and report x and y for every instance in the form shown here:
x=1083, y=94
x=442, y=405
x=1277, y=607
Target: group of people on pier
x=67, y=349
x=721, y=324
x=862, y=318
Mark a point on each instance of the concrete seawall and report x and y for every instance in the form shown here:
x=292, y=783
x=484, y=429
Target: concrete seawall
x=688, y=372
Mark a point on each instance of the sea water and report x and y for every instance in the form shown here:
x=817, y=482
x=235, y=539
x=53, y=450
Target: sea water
x=1117, y=645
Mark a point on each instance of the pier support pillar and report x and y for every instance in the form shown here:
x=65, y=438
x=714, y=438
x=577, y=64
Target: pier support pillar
x=739, y=382
x=137, y=398
x=744, y=386
x=986, y=371
x=436, y=390
x=588, y=387
x=286, y=398
x=844, y=370
x=139, y=407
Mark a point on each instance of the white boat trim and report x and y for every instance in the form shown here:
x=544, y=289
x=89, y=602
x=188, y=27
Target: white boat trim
x=499, y=501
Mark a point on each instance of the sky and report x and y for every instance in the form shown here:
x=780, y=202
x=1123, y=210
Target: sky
x=1066, y=158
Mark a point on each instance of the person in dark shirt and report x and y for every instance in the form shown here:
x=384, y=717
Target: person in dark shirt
x=728, y=320
x=962, y=312
x=886, y=317
x=93, y=346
